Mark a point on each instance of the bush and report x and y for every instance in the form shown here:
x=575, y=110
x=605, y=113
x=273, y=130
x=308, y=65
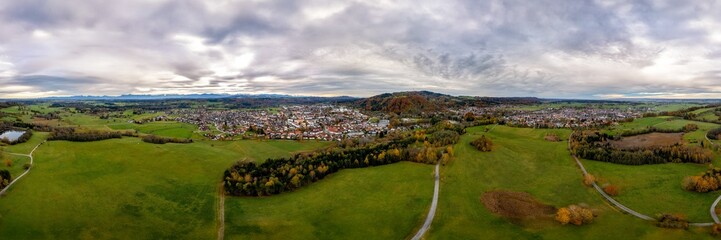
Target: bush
x=8, y=162
x=708, y=181
x=611, y=190
x=716, y=229
x=672, y=221
x=27, y=166
x=575, y=215
x=483, y=144
x=588, y=180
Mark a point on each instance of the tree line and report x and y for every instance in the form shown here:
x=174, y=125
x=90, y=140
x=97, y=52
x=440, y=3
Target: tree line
x=595, y=146
x=86, y=135
x=278, y=175
x=163, y=140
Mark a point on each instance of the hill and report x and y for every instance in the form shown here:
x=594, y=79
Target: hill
x=417, y=102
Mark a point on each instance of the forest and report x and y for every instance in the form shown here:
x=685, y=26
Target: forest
x=596, y=146
x=279, y=175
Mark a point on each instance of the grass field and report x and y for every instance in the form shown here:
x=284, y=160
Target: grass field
x=654, y=189
x=143, y=191
x=168, y=129
x=385, y=202
x=523, y=161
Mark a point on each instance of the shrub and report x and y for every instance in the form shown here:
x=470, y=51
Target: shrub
x=8, y=162
x=575, y=215
x=716, y=229
x=708, y=181
x=672, y=221
x=588, y=180
x=27, y=166
x=611, y=190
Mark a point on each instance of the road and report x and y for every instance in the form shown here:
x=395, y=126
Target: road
x=434, y=205
x=30, y=155
x=713, y=210
x=621, y=206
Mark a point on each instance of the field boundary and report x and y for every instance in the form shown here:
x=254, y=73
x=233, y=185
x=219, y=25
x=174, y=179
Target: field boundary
x=618, y=204
x=30, y=155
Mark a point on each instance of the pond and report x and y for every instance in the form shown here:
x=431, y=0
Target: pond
x=12, y=135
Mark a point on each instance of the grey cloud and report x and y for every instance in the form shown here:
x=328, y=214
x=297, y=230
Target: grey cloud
x=543, y=48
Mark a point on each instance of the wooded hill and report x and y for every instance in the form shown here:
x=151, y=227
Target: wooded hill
x=418, y=102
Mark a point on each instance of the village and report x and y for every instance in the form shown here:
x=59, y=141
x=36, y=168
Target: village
x=312, y=122
x=559, y=117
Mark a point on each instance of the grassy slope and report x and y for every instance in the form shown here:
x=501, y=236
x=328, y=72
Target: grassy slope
x=124, y=188
x=385, y=202
x=522, y=161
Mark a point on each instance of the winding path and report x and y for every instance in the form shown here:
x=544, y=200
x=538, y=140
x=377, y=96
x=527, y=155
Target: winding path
x=629, y=210
x=30, y=155
x=432, y=211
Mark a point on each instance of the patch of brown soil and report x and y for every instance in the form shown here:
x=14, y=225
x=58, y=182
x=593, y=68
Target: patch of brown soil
x=552, y=138
x=649, y=140
x=516, y=205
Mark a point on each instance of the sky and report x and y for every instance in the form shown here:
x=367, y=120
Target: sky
x=550, y=49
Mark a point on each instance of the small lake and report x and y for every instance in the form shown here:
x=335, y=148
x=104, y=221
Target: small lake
x=12, y=135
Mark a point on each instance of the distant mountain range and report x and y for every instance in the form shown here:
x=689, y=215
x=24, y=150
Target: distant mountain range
x=170, y=96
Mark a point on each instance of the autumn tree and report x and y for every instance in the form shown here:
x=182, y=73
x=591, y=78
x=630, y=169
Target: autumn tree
x=483, y=144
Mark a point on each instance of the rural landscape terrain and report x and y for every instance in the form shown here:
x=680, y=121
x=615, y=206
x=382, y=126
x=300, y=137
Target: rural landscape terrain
x=360, y=119
x=394, y=166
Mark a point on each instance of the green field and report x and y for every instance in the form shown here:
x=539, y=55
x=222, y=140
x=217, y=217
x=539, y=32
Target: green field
x=385, y=202
x=654, y=189
x=523, y=161
x=143, y=191
x=168, y=129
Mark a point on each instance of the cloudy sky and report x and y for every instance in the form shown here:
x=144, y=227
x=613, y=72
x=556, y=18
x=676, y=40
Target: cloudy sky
x=565, y=49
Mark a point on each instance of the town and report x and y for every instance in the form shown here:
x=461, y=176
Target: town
x=316, y=122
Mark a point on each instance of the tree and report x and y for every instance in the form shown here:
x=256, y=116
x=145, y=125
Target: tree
x=8, y=162
x=5, y=178
x=483, y=144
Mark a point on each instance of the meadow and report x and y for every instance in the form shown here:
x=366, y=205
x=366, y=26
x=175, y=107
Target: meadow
x=523, y=161
x=383, y=202
x=126, y=188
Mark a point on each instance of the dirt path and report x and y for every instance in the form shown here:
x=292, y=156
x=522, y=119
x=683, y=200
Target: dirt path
x=30, y=155
x=221, y=214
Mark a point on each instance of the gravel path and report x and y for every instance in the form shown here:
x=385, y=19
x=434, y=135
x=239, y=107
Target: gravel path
x=432, y=211
x=26, y=171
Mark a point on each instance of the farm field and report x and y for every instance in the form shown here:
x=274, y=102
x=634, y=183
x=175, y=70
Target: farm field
x=523, y=161
x=145, y=191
